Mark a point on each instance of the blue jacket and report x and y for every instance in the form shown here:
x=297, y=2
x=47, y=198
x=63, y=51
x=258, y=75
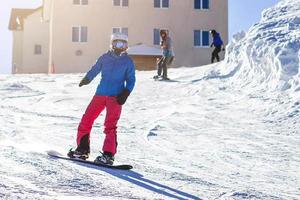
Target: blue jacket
x=115, y=72
x=217, y=40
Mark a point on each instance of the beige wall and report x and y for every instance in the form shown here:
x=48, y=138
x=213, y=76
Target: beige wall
x=141, y=18
x=36, y=32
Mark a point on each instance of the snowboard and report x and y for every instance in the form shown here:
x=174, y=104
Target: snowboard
x=160, y=79
x=58, y=155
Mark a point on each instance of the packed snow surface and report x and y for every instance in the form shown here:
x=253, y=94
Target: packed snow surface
x=222, y=131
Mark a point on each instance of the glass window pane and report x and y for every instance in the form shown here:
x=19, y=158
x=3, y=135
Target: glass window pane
x=197, y=38
x=205, y=4
x=125, y=31
x=75, y=34
x=37, y=49
x=76, y=2
x=84, y=34
x=165, y=3
x=117, y=2
x=156, y=3
x=84, y=2
x=156, y=37
x=116, y=30
x=197, y=4
x=125, y=3
x=205, y=38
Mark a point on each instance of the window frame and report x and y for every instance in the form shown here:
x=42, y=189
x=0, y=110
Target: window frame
x=38, y=50
x=156, y=30
x=201, y=39
x=201, y=5
x=80, y=3
x=80, y=34
x=120, y=30
x=121, y=4
x=161, y=4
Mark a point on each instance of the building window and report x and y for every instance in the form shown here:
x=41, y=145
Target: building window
x=120, y=30
x=83, y=34
x=161, y=3
x=37, y=49
x=80, y=2
x=201, y=4
x=80, y=34
x=205, y=38
x=123, y=3
x=201, y=38
x=156, y=37
x=117, y=2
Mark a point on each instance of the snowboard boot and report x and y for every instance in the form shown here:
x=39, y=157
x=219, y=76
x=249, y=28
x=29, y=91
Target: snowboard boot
x=165, y=78
x=79, y=153
x=106, y=158
x=156, y=77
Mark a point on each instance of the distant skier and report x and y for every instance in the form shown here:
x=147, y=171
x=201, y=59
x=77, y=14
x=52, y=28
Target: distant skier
x=217, y=43
x=117, y=82
x=166, y=45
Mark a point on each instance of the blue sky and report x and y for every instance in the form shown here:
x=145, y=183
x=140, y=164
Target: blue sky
x=242, y=14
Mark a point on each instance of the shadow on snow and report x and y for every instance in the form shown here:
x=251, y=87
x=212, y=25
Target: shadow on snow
x=139, y=180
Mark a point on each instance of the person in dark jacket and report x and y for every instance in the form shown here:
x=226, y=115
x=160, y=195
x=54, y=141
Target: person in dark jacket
x=117, y=82
x=218, y=44
x=166, y=45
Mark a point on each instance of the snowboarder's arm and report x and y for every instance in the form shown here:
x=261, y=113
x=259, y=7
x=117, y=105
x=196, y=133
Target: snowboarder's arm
x=95, y=70
x=130, y=82
x=84, y=81
x=130, y=76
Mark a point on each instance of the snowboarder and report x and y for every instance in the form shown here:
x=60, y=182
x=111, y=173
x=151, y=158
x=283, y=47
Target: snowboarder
x=168, y=55
x=217, y=43
x=117, y=82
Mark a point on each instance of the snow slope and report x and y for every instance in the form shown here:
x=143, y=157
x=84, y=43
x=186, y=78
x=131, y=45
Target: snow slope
x=223, y=131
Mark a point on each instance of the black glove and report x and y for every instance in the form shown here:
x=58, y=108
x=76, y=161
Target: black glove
x=84, y=81
x=122, y=97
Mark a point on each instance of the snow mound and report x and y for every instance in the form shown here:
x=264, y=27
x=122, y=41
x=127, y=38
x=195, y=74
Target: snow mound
x=268, y=55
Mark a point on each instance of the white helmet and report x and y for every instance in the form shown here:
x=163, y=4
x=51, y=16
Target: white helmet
x=119, y=41
x=119, y=36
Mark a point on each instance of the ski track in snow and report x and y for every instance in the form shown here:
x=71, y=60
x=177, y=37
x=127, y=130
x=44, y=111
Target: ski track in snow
x=223, y=131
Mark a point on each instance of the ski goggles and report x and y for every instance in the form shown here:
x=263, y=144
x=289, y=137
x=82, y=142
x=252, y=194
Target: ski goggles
x=119, y=44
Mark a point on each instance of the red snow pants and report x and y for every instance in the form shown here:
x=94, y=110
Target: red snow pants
x=113, y=112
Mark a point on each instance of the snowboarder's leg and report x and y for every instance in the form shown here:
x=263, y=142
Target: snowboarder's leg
x=159, y=66
x=218, y=50
x=213, y=56
x=113, y=112
x=95, y=107
x=165, y=67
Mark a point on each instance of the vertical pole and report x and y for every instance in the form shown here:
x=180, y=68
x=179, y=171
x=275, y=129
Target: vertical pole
x=50, y=61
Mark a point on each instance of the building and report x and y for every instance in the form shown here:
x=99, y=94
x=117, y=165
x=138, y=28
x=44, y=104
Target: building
x=67, y=36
